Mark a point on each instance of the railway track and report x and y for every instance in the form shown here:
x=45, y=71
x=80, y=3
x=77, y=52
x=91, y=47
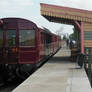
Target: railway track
x=10, y=85
x=7, y=88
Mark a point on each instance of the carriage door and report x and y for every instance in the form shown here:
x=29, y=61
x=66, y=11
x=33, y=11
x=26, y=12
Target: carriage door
x=1, y=46
x=11, y=46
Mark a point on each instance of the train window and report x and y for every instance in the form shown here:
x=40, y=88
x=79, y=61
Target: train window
x=42, y=38
x=1, y=38
x=11, y=38
x=27, y=37
x=48, y=39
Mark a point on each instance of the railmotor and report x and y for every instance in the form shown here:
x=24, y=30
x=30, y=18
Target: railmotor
x=24, y=46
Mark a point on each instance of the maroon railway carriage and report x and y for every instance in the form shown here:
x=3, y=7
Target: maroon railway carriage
x=45, y=43
x=24, y=46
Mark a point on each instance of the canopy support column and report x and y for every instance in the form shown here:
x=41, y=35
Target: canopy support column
x=82, y=37
x=1, y=22
x=81, y=29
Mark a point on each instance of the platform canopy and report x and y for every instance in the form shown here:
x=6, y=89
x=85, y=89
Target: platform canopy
x=65, y=15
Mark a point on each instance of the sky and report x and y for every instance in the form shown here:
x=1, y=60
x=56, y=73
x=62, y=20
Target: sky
x=30, y=9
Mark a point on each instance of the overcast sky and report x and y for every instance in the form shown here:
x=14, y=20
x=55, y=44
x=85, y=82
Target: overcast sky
x=30, y=9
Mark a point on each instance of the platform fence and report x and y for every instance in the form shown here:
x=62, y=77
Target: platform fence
x=88, y=63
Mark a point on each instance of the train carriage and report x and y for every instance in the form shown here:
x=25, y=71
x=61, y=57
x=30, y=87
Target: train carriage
x=24, y=46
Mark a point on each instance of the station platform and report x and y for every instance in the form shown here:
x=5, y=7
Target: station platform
x=59, y=74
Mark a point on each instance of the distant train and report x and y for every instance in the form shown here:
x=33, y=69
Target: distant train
x=24, y=47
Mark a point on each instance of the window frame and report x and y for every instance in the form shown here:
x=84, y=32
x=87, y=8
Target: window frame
x=6, y=37
x=2, y=38
x=34, y=37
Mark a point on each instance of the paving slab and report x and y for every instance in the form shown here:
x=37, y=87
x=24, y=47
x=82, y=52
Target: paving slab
x=57, y=75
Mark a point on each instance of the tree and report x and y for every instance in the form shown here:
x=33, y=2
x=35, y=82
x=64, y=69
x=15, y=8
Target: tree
x=74, y=35
x=64, y=37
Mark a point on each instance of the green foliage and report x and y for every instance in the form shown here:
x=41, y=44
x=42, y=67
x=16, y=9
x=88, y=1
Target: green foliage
x=64, y=37
x=74, y=35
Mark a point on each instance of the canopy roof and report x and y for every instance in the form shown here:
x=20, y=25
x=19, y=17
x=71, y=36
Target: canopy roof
x=65, y=15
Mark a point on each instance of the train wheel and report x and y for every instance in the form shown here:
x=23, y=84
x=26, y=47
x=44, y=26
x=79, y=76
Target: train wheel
x=22, y=75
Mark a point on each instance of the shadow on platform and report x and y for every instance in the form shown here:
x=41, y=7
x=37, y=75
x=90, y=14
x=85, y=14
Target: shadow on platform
x=60, y=60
